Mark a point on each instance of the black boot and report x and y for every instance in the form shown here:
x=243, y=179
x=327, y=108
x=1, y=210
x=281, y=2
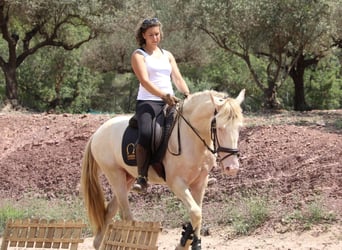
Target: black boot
x=143, y=161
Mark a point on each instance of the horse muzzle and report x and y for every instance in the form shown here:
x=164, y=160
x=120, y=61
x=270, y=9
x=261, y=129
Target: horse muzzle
x=230, y=165
x=231, y=171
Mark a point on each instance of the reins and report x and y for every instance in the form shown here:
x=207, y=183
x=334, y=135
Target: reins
x=180, y=114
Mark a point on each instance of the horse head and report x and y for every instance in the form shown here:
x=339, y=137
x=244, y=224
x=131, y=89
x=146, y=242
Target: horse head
x=225, y=127
x=215, y=119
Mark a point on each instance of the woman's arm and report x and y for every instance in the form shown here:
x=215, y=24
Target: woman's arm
x=177, y=77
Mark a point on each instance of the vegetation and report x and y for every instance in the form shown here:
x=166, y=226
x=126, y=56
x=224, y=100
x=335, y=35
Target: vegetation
x=312, y=214
x=72, y=209
x=287, y=54
x=29, y=26
x=248, y=214
x=244, y=214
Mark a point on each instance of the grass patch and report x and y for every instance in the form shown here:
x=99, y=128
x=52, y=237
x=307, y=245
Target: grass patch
x=166, y=208
x=338, y=124
x=246, y=213
x=72, y=209
x=312, y=214
x=175, y=206
x=9, y=212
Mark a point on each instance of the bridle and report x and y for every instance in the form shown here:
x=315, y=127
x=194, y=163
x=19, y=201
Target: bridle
x=213, y=130
x=218, y=148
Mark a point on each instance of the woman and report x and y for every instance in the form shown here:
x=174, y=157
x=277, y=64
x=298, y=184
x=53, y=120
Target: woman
x=155, y=68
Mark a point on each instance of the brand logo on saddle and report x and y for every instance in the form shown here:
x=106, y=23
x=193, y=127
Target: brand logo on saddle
x=130, y=152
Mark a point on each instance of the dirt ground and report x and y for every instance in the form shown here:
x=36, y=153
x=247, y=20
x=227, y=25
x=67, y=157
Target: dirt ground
x=315, y=239
x=292, y=161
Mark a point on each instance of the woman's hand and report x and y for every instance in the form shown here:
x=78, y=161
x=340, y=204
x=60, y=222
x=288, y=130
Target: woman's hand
x=170, y=100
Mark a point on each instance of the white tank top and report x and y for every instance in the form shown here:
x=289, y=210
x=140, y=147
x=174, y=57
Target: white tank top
x=159, y=73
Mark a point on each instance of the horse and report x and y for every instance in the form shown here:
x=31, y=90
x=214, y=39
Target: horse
x=204, y=135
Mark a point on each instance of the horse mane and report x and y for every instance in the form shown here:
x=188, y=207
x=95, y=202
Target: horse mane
x=229, y=112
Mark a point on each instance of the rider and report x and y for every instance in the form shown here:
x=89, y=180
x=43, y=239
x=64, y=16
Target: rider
x=155, y=68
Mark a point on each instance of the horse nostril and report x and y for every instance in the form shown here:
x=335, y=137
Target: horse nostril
x=231, y=171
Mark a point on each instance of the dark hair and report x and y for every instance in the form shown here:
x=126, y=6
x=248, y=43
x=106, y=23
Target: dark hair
x=144, y=25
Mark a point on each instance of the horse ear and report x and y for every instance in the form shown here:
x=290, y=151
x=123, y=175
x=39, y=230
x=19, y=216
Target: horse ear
x=241, y=96
x=216, y=101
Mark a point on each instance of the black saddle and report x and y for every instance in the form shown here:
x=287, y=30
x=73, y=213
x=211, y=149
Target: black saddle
x=162, y=127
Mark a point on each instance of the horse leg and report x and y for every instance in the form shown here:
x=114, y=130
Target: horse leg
x=182, y=191
x=123, y=215
x=118, y=202
x=198, y=191
x=121, y=183
x=111, y=210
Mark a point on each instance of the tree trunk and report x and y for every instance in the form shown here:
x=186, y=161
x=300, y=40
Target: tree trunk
x=270, y=94
x=11, y=85
x=299, y=96
x=297, y=75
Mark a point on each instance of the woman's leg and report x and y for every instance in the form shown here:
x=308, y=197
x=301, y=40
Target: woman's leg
x=146, y=111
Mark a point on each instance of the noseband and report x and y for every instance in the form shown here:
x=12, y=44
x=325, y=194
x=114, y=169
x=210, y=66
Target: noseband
x=217, y=147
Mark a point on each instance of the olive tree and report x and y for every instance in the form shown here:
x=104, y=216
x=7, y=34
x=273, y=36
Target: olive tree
x=289, y=35
x=336, y=26
x=26, y=26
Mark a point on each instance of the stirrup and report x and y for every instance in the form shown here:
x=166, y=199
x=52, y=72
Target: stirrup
x=140, y=184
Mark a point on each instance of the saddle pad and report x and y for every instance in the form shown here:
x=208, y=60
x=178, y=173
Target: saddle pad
x=161, y=129
x=128, y=146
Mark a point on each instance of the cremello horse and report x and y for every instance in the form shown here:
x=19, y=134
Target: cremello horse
x=208, y=125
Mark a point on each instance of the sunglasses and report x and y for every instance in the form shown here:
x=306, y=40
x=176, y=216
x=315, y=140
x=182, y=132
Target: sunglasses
x=150, y=21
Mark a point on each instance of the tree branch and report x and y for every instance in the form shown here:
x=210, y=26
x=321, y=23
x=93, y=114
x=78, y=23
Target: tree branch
x=50, y=42
x=51, y=39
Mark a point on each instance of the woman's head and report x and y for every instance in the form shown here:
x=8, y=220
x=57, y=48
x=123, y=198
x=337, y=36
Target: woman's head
x=144, y=26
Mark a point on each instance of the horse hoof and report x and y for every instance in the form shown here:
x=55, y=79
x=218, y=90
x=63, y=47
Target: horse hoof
x=140, y=186
x=139, y=189
x=196, y=244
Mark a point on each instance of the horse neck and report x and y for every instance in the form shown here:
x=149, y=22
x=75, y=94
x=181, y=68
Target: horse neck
x=199, y=112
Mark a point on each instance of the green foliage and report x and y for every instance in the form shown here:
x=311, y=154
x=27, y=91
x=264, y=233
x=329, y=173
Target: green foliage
x=116, y=93
x=324, y=84
x=56, y=82
x=274, y=32
x=312, y=214
x=165, y=207
x=338, y=124
x=246, y=212
x=174, y=206
x=70, y=209
x=30, y=26
x=9, y=212
x=223, y=72
x=255, y=35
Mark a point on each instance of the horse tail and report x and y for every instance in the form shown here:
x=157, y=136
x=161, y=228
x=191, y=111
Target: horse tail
x=93, y=195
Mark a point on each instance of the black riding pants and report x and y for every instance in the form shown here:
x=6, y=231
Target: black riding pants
x=146, y=111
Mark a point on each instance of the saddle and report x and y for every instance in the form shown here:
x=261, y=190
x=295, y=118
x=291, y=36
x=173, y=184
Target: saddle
x=162, y=127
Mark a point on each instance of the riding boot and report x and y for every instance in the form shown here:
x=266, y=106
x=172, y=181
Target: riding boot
x=143, y=161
